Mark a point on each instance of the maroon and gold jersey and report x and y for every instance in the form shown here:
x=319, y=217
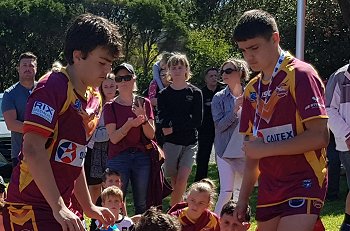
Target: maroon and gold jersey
x=56, y=111
x=296, y=95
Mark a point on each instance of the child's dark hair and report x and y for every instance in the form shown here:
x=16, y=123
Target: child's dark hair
x=88, y=32
x=230, y=207
x=109, y=172
x=254, y=23
x=154, y=219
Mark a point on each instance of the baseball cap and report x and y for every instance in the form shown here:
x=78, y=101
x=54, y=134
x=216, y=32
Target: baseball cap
x=126, y=66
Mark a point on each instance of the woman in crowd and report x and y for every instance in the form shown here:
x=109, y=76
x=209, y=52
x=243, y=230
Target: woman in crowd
x=96, y=156
x=180, y=110
x=129, y=120
x=226, y=109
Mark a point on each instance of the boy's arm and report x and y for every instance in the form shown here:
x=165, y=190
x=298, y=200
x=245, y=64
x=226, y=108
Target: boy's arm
x=81, y=192
x=315, y=136
x=250, y=176
x=37, y=158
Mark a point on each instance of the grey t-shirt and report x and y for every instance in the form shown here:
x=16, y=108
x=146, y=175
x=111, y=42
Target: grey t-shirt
x=15, y=98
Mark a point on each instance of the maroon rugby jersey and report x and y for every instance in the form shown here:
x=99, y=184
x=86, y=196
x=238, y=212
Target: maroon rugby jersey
x=54, y=110
x=296, y=96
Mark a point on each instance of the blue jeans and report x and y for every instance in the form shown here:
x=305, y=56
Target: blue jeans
x=134, y=166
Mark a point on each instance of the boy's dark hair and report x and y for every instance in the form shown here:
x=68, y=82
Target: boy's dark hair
x=89, y=31
x=254, y=23
x=27, y=55
x=109, y=172
x=154, y=219
x=230, y=207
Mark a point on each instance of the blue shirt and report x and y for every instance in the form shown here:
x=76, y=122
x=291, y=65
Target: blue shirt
x=225, y=120
x=15, y=98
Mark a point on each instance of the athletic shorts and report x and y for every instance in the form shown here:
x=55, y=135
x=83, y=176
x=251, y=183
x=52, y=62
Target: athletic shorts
x=288, y=208
x=24, y=218
x=177, y=156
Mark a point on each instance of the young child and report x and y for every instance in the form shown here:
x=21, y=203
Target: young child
x=109, y=178
x=112, y=198
x=227, y=222
x=194, y=214
x=154, y=219
x=180, y=112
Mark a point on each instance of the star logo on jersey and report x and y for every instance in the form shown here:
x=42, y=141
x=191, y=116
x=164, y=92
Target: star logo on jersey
x=70, y=153
x=67, y=152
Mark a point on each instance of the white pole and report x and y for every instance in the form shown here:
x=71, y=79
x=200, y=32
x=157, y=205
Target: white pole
x=300, y=37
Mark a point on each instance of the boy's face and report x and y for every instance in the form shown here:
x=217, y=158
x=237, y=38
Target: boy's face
x=113, y=203
x=93, y=69
x=257, y=52
x=112, y=180
x=227, y=224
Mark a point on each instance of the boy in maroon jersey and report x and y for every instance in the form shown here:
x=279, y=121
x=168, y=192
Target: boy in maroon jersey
x=285, y=118
x=60, y=117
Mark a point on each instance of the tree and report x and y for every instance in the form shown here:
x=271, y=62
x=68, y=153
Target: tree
x=345, y=9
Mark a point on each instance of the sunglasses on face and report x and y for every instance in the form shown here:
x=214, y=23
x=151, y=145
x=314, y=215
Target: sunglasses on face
x=120, y=78
x=229, y=70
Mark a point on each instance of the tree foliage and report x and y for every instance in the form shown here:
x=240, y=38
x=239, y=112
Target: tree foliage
x=200, y=28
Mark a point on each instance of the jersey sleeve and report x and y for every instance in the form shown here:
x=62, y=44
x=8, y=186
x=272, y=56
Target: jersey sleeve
x=108, y=114
x=44, y=104
x=309, y=95
x=248, y=110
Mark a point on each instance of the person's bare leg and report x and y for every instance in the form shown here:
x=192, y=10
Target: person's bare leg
x=180, y=185
x=270, y=225
x=300, y=222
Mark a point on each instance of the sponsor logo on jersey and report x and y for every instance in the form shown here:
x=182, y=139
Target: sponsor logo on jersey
x=315, y=103
x=77, y=105
x=252, y=96
x=71, y=153
x=43, y=110
x=296, y=203
x=282, y=90
x=278, y=133
x=307, y=183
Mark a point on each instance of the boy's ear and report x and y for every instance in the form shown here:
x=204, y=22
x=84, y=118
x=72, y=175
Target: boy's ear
x=77, y=56
x=276, y=37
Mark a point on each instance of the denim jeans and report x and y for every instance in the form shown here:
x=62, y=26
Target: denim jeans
x=134, y=166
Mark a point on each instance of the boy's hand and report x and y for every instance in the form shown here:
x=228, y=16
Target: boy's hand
x=102, y=214
x=253, y=149
x=239, y=213
x=68, y=220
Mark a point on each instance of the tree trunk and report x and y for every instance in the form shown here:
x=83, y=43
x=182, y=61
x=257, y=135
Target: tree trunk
x=345, y=10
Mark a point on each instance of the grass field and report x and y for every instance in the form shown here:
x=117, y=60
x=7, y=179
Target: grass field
x=332, y=213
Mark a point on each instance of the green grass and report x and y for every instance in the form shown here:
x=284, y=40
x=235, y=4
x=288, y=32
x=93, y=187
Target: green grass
x=332, y=214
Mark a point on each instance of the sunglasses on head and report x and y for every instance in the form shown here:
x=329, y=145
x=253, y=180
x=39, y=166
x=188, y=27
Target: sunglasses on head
x=229, y=70
x=120, y=78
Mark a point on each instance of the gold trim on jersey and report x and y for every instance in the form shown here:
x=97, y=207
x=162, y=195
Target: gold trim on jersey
x=20, y=216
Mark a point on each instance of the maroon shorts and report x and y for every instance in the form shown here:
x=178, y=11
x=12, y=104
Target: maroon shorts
x=288, y=208
x=25, y=218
